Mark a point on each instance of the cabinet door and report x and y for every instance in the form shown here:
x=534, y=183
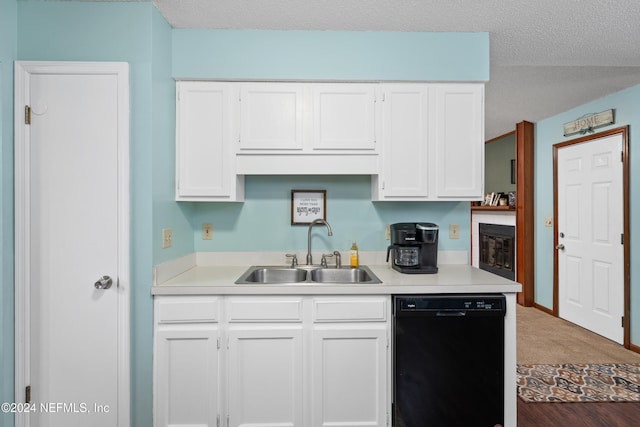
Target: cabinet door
x=271, y=116
x=264, y=382
x=349, y=379
x=344, y=116
x=186, y=376
x=204, y=162
x=405, y=141
x=460, y=141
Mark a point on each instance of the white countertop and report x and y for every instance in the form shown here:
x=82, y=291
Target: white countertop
x=451, y=278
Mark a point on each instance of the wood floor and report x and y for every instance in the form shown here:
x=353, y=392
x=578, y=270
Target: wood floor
x=588, y=414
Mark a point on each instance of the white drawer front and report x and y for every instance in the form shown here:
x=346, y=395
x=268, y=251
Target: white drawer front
x=264, y=310
x=346, y=309
x=199, y=309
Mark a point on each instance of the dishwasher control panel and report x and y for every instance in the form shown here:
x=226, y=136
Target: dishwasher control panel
x=452, y=303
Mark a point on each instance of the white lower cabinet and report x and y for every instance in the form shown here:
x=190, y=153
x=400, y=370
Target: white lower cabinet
x=349, y=385
x=186, y=362
x=350, y=361
x=264, y=377
x=264, y=361
x=285, y=361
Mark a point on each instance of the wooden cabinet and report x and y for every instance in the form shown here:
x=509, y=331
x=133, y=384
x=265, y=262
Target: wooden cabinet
x=264, y=361
x=307, y=128
x=271, y=116
x=205, y=160
x=186, y=362
x=419, y=141
x=350, y=362
x=303, y=118
x=286, y=361
x=433, y=142
x=406, y=140
x=459, y=141
x=344, y=116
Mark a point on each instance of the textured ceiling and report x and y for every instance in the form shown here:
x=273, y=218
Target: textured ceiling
x=547, y=56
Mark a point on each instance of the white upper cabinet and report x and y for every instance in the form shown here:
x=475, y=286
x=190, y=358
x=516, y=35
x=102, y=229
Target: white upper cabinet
x=406, y=148
x=432, y=142
x=344, y=116
x=418, y=141
x=305, y=117
x=460, y=141
x=307, y=129
x=205, y=161
x=271, y=116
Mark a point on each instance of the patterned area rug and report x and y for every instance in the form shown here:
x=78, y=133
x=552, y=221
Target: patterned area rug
x=608, y=382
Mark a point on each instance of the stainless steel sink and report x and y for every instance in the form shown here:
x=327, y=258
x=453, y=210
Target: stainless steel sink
x=306, y=274
x=273, y=275
x=343, y=275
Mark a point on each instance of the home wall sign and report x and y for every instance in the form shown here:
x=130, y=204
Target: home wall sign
x=589, y=122
x=307, y=205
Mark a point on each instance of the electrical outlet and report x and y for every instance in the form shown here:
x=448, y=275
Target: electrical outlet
x=387, y=232
x=454, y=231
x=548, y=222
x=207, y=231
x=167, y=239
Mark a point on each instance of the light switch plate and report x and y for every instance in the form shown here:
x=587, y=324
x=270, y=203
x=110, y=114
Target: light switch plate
x=548, y=222
x=207, y=232
x=454, y=231
x=167, y=238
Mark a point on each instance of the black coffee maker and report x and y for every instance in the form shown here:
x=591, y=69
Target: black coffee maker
x=414, y=247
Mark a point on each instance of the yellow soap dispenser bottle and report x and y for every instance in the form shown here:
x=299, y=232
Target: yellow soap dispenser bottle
x=353, y=256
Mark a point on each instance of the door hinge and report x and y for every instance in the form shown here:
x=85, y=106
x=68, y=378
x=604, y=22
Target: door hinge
x=27, y=394
x=622, y=156
x=218, y=343
x=622, y=239
x=27, y=115
x=622, y=321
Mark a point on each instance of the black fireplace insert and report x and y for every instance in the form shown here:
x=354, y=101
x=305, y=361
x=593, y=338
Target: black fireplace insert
x=497, y=249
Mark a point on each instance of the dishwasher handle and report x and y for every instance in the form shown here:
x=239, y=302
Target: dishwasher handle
x=451, y=314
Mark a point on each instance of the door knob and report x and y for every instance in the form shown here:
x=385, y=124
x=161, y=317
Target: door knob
x=560, y=247
x=104, y=282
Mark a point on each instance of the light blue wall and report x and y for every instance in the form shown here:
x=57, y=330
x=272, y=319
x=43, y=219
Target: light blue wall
x=166, y=212
x=135, y=33
x=8, y=53
x=263, y=221
x=331, y=55
x=550, y=131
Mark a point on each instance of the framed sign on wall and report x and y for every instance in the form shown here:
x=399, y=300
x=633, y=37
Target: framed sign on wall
x=307, y=205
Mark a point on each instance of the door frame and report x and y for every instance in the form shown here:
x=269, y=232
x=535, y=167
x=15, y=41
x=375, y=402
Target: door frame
x=23, y=71
x=624, y=132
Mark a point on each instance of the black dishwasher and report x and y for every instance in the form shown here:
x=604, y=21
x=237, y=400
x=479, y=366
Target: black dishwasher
x=448, y=360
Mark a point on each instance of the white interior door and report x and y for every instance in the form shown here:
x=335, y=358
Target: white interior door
x=74, y=220
x=590, y=226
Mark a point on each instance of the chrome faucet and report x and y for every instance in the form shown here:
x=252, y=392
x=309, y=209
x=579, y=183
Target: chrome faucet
x=329, y=233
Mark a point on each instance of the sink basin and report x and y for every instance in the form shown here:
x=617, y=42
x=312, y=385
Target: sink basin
x=273, y=275
x=343, y=275
x=306, y=274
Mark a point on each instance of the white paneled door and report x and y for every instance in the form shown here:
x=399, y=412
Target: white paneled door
x=590, y=249
x=72, y=237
